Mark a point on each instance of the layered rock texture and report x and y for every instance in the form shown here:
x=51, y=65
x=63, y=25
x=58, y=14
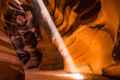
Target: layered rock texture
x=10, y=66
x=90, y=45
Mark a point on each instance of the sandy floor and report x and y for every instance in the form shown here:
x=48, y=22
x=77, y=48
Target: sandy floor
x=58, y=75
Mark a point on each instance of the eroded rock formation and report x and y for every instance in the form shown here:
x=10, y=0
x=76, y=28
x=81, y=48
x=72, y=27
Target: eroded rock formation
x=89, y=45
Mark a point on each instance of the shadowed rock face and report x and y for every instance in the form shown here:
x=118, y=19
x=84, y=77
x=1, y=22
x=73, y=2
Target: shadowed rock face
x=10, y=67
x=10, y=71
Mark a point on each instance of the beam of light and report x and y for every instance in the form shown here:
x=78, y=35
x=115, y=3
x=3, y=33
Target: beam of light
x=57, y=38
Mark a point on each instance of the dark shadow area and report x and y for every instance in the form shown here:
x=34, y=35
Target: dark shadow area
x=10, y=71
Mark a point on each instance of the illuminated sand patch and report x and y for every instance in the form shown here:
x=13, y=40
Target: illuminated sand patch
x=74, y=76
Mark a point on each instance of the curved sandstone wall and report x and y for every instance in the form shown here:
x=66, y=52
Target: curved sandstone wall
x=91, y=49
